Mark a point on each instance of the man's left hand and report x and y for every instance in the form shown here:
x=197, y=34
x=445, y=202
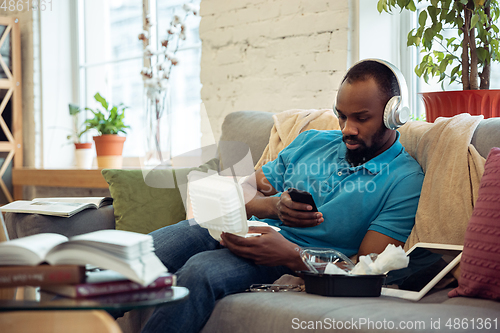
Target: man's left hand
x=269, y=249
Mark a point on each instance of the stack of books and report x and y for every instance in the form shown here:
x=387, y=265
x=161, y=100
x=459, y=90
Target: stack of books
x=106, y=283
x=56, y=263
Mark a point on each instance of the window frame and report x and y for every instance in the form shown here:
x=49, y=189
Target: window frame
x=82, y=65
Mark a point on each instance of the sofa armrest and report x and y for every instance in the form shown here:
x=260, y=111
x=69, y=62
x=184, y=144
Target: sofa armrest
x=21, y=225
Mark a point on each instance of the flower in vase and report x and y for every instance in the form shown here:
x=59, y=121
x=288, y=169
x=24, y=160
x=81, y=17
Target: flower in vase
x=144, y=35
x=190, y=7
x=148, y=51
x=156, y=76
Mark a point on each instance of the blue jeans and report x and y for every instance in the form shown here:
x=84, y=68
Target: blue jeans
x=207, y=269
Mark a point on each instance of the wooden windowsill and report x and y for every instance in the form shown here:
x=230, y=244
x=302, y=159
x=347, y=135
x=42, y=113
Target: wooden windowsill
x=85, y=178
x=76, y=178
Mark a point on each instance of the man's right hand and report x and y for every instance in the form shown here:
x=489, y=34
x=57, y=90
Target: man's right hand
x=261, y=202
x=297, y=214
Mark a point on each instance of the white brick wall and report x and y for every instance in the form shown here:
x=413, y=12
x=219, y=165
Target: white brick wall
x=271, y=55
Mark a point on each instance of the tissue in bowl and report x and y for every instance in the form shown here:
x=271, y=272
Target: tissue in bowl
x=317, y=259
x=391, y=258
x=331, y=268
x=319, y=279
x=343, y=285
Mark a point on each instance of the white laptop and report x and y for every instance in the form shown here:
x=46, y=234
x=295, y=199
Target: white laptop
x=430, y=263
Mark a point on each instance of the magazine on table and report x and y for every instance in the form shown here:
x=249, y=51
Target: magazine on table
x=65, y=207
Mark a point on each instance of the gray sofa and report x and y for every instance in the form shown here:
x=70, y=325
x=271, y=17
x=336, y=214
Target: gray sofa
x=292, y=311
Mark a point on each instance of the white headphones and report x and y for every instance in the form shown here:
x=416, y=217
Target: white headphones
x=396, y=112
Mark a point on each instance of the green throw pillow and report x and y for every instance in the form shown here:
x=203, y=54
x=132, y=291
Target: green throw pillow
x=146, y=204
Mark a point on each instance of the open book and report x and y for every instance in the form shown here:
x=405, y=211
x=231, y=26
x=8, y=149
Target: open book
x=64, y=207
x=128, y=253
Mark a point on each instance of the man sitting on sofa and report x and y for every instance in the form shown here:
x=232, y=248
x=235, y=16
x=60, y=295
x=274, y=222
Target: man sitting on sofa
x=365, y=185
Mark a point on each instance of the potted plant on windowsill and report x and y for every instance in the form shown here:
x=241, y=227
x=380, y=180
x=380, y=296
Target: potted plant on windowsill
x=466, y=58
x=83, y=150
x=108, y=144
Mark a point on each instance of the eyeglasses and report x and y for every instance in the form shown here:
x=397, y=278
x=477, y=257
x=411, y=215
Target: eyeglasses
x=274, y=288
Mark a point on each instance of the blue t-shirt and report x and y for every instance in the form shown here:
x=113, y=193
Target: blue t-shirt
x=381, y=194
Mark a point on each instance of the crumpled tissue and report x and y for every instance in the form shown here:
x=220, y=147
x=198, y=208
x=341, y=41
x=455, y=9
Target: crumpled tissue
x=390, y=259
x=331, y=268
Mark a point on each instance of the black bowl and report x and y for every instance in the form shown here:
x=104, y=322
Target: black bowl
x=343, y=285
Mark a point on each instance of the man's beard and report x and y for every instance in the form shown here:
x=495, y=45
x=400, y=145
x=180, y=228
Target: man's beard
x=363, y=154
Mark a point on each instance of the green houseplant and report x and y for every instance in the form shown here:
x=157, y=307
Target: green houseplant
x=108, y=123
x=83, y=150
x=465, y=57
x=77, y=129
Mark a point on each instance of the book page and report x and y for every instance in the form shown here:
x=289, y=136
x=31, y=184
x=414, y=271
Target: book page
x=81, y=200
x=118, y=238
x=142, y=270
x=123, y=244
x=43, y=207
x=30, y=250
x=104, y=276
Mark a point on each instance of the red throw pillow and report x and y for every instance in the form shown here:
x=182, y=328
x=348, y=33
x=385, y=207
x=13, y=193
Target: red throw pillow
x=480, y=264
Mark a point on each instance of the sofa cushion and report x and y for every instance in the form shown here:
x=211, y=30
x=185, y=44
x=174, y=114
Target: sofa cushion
x=144, y=202
x=244, y=131
x=22, y=225
x=290, y=123
x=486, y=136
x=480, y=264
x=292, y=312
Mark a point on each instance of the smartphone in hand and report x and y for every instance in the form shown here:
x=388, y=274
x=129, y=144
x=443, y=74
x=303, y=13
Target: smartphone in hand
x=302, y=197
